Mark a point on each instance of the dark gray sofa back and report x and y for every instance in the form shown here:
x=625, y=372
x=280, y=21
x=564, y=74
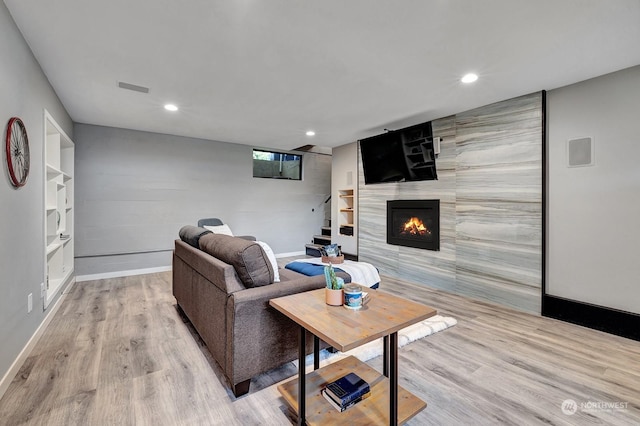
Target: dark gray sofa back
x=247, y=257
x=219, y=273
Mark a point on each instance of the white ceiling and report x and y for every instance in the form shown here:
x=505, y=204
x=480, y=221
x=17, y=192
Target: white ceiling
x=263, y=72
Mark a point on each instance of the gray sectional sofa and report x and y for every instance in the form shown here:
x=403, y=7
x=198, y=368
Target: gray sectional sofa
x=223, y=284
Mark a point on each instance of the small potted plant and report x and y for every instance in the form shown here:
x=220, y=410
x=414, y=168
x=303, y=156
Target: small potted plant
x=333, y=291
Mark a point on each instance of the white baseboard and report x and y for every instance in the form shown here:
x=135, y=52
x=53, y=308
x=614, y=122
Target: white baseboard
x=116, y=274
x=81, y=278
x=26, y=351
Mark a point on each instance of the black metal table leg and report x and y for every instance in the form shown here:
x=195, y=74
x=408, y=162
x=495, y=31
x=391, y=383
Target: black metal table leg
x=385, y=356
x=302, y=382
x=393, y=380
x=316, y=352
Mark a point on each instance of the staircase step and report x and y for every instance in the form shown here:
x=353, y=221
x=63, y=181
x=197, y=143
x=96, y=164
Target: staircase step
x=313, y=250
x=326, y=230
x=322, y=239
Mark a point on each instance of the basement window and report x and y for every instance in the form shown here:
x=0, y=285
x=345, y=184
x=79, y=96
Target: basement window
x=277, y=165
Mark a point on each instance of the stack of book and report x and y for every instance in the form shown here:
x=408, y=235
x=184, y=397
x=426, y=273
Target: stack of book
x=346, y=392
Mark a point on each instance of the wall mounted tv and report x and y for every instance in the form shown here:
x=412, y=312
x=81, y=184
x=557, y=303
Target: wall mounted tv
x=400, y=155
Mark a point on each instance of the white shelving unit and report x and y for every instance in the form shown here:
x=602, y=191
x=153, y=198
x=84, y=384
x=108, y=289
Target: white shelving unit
x=346, y=206
x=344, y=198
x=58, y=202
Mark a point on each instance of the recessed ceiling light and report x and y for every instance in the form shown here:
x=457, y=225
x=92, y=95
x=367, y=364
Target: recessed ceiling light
x=469, y=78
x=170, y=107
x=310, y=133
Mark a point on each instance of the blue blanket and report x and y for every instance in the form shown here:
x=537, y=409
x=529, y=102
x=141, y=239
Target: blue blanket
x=310, y=269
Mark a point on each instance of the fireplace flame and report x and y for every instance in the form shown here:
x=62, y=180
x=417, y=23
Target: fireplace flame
x=415, y=226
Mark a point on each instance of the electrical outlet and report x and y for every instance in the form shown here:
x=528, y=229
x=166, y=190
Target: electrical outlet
x=41, y=290
x=29, y=302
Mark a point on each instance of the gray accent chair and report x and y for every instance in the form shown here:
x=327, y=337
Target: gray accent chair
x=214, y=221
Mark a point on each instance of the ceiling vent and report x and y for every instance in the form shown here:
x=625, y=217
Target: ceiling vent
x=135, y=88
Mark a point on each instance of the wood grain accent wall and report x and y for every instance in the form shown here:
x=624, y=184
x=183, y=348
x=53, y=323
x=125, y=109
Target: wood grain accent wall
x=490, y=191
x=406, y=262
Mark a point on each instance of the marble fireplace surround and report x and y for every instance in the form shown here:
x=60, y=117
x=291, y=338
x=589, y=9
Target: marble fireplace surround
x=490, y=191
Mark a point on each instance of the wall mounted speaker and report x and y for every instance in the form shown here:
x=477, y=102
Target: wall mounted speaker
x=580, y=152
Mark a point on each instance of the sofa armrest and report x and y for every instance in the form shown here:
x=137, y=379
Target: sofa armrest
x=271, y=291
x=259, y=337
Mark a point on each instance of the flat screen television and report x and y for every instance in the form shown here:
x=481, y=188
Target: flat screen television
x=397, y=156
x=383, y=158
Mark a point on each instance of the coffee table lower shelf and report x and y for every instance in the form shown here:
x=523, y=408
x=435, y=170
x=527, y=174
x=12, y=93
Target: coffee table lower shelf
x=373, y=410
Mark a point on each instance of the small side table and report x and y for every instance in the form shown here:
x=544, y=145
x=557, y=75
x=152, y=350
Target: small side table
x=344, y=329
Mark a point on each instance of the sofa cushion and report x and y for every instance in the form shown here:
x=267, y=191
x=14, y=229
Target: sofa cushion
x=272, y=258
x=247, y=257
x=191, y=235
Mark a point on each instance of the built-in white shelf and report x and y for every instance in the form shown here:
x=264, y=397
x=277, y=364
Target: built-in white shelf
x=53, y=247
x=346, y=207
x=59, y=187
x=52, y=172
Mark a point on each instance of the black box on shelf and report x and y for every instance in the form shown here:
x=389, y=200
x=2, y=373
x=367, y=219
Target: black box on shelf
x=346, y=230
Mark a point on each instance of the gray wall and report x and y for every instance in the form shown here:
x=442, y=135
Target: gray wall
x=490, y=191
x=134, y=190
x=594, y=211
x=25, y=92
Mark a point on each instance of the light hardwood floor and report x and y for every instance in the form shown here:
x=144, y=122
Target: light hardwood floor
x=118, y=352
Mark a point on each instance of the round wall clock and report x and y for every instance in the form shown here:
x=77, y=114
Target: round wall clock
x=17, y=149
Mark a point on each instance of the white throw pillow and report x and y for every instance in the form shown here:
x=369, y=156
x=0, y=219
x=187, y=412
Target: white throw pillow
x=272, y=259
x=219, y=229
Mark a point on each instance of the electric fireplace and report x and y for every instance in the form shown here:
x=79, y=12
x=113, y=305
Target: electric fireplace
x=414, y=223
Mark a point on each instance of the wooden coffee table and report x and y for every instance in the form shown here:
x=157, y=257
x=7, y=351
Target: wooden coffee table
x=344, y=329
